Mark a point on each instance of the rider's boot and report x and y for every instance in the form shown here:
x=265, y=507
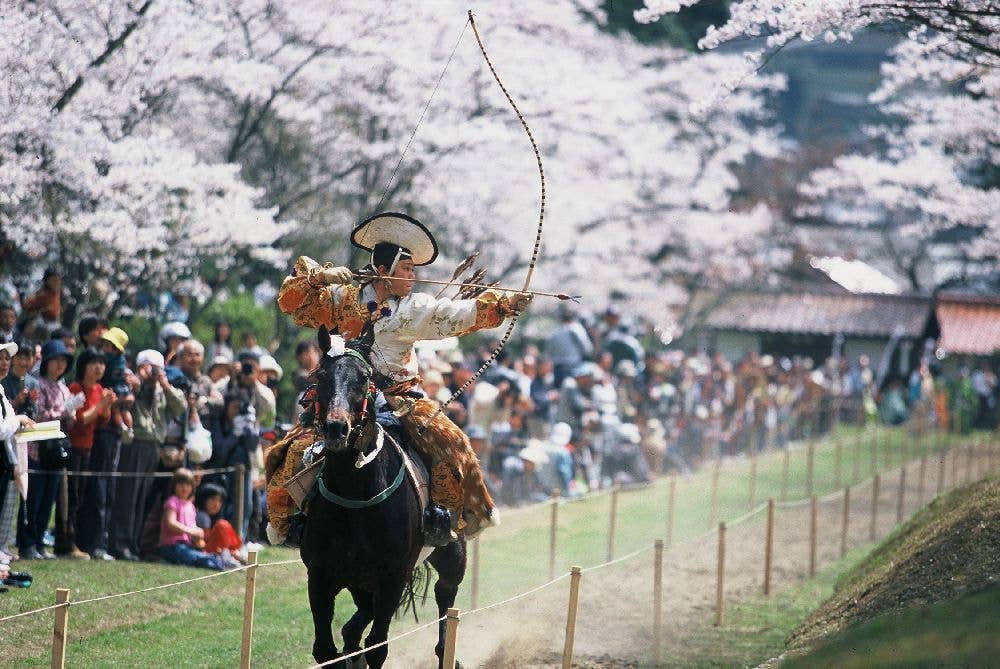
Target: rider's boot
x=437, y=526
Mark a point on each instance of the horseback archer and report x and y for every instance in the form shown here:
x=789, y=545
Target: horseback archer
x=326, y=296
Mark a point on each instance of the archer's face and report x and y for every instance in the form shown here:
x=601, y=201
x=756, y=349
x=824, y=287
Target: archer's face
x=404, y=270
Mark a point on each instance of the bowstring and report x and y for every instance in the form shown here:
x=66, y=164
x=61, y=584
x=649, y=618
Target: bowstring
x=420, y=119
x=538, y=234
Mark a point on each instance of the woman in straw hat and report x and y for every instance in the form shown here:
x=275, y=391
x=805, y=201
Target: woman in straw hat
x=316, y=295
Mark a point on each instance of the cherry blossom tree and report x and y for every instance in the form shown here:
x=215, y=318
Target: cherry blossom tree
x=150, y=144
x=930, y=180
x=91, y=176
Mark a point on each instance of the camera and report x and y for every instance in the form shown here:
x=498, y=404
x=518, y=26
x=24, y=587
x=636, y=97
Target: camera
x=246, y=369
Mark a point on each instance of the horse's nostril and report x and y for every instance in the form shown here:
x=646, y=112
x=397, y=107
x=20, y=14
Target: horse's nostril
x=336, y=428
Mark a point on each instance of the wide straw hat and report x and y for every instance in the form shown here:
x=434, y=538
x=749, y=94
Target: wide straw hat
x=399, y=229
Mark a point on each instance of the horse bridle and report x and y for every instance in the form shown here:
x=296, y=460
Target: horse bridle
x=366, y=403
x=363, y=459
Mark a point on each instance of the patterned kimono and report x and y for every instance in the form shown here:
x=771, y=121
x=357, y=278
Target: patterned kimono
x=456, y=480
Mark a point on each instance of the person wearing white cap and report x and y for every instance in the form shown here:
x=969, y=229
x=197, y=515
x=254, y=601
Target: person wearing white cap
x=156, y=401
x=324, y=296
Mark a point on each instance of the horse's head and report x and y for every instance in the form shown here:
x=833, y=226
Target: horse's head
x=345, y=394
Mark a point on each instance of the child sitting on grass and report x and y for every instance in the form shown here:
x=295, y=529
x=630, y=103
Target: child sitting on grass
x=178, y=528
x=219, y=536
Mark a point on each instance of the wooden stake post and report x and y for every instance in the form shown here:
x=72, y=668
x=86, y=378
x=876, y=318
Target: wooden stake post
x=812, y=536
x=872, y=529
x=769, y=546
x=574, y=597
x=450, y=639
x=845, y=521
x=657, y=597
x=720, y=576
x=59, y=629
x=553, y=528
x=249, y=592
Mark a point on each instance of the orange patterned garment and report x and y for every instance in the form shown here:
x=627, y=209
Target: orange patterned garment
x=311, y=305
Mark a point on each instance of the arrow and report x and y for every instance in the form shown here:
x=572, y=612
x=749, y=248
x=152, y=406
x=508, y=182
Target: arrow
x=365, y=276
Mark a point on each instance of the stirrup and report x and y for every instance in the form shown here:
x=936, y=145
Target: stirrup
x=437, y=526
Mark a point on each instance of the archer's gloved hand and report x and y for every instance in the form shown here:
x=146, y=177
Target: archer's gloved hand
x=519, y=302
x=336, y=276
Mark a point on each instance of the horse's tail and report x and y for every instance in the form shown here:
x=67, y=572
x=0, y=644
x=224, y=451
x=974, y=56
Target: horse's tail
x=420, y=577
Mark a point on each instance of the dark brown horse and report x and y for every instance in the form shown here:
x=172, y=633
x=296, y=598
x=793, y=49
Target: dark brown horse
x=363, y=528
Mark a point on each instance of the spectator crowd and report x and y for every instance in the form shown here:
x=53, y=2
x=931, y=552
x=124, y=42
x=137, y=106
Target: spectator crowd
x=601, y=400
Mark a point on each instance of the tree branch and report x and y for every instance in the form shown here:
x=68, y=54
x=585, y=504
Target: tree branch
x=109, y=50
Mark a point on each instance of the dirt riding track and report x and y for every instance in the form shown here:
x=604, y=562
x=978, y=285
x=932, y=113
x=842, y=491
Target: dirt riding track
x=614, y=619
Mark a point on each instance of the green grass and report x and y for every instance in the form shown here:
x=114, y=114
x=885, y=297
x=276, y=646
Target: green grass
x=199, y=623
x=963, y=632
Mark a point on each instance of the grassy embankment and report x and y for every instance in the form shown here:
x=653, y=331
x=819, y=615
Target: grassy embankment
x=926, y=596
x=199, y=624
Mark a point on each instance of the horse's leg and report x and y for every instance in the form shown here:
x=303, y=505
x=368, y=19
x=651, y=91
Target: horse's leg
x=385, y=600
x=355, y=627
x=449, y=562
x=322, y=595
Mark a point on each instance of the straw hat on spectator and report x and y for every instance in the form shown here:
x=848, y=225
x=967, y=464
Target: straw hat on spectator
x=10, y=347
x=117, y=337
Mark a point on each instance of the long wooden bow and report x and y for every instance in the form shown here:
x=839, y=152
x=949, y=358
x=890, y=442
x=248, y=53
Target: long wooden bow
x=538, y=233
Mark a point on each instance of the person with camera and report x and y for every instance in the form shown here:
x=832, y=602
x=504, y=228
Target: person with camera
x=234, y=441
x=93, y=414
x=47, y=457
x=207, y=399
x=94, y=517
x=256, y=395
x=156, y=401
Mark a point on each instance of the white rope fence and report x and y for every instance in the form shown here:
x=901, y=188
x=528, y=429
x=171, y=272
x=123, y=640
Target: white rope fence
x=63, y=604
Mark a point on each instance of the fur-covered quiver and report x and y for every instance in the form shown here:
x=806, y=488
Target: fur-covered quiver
x=282, y=461
x=456, y=479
